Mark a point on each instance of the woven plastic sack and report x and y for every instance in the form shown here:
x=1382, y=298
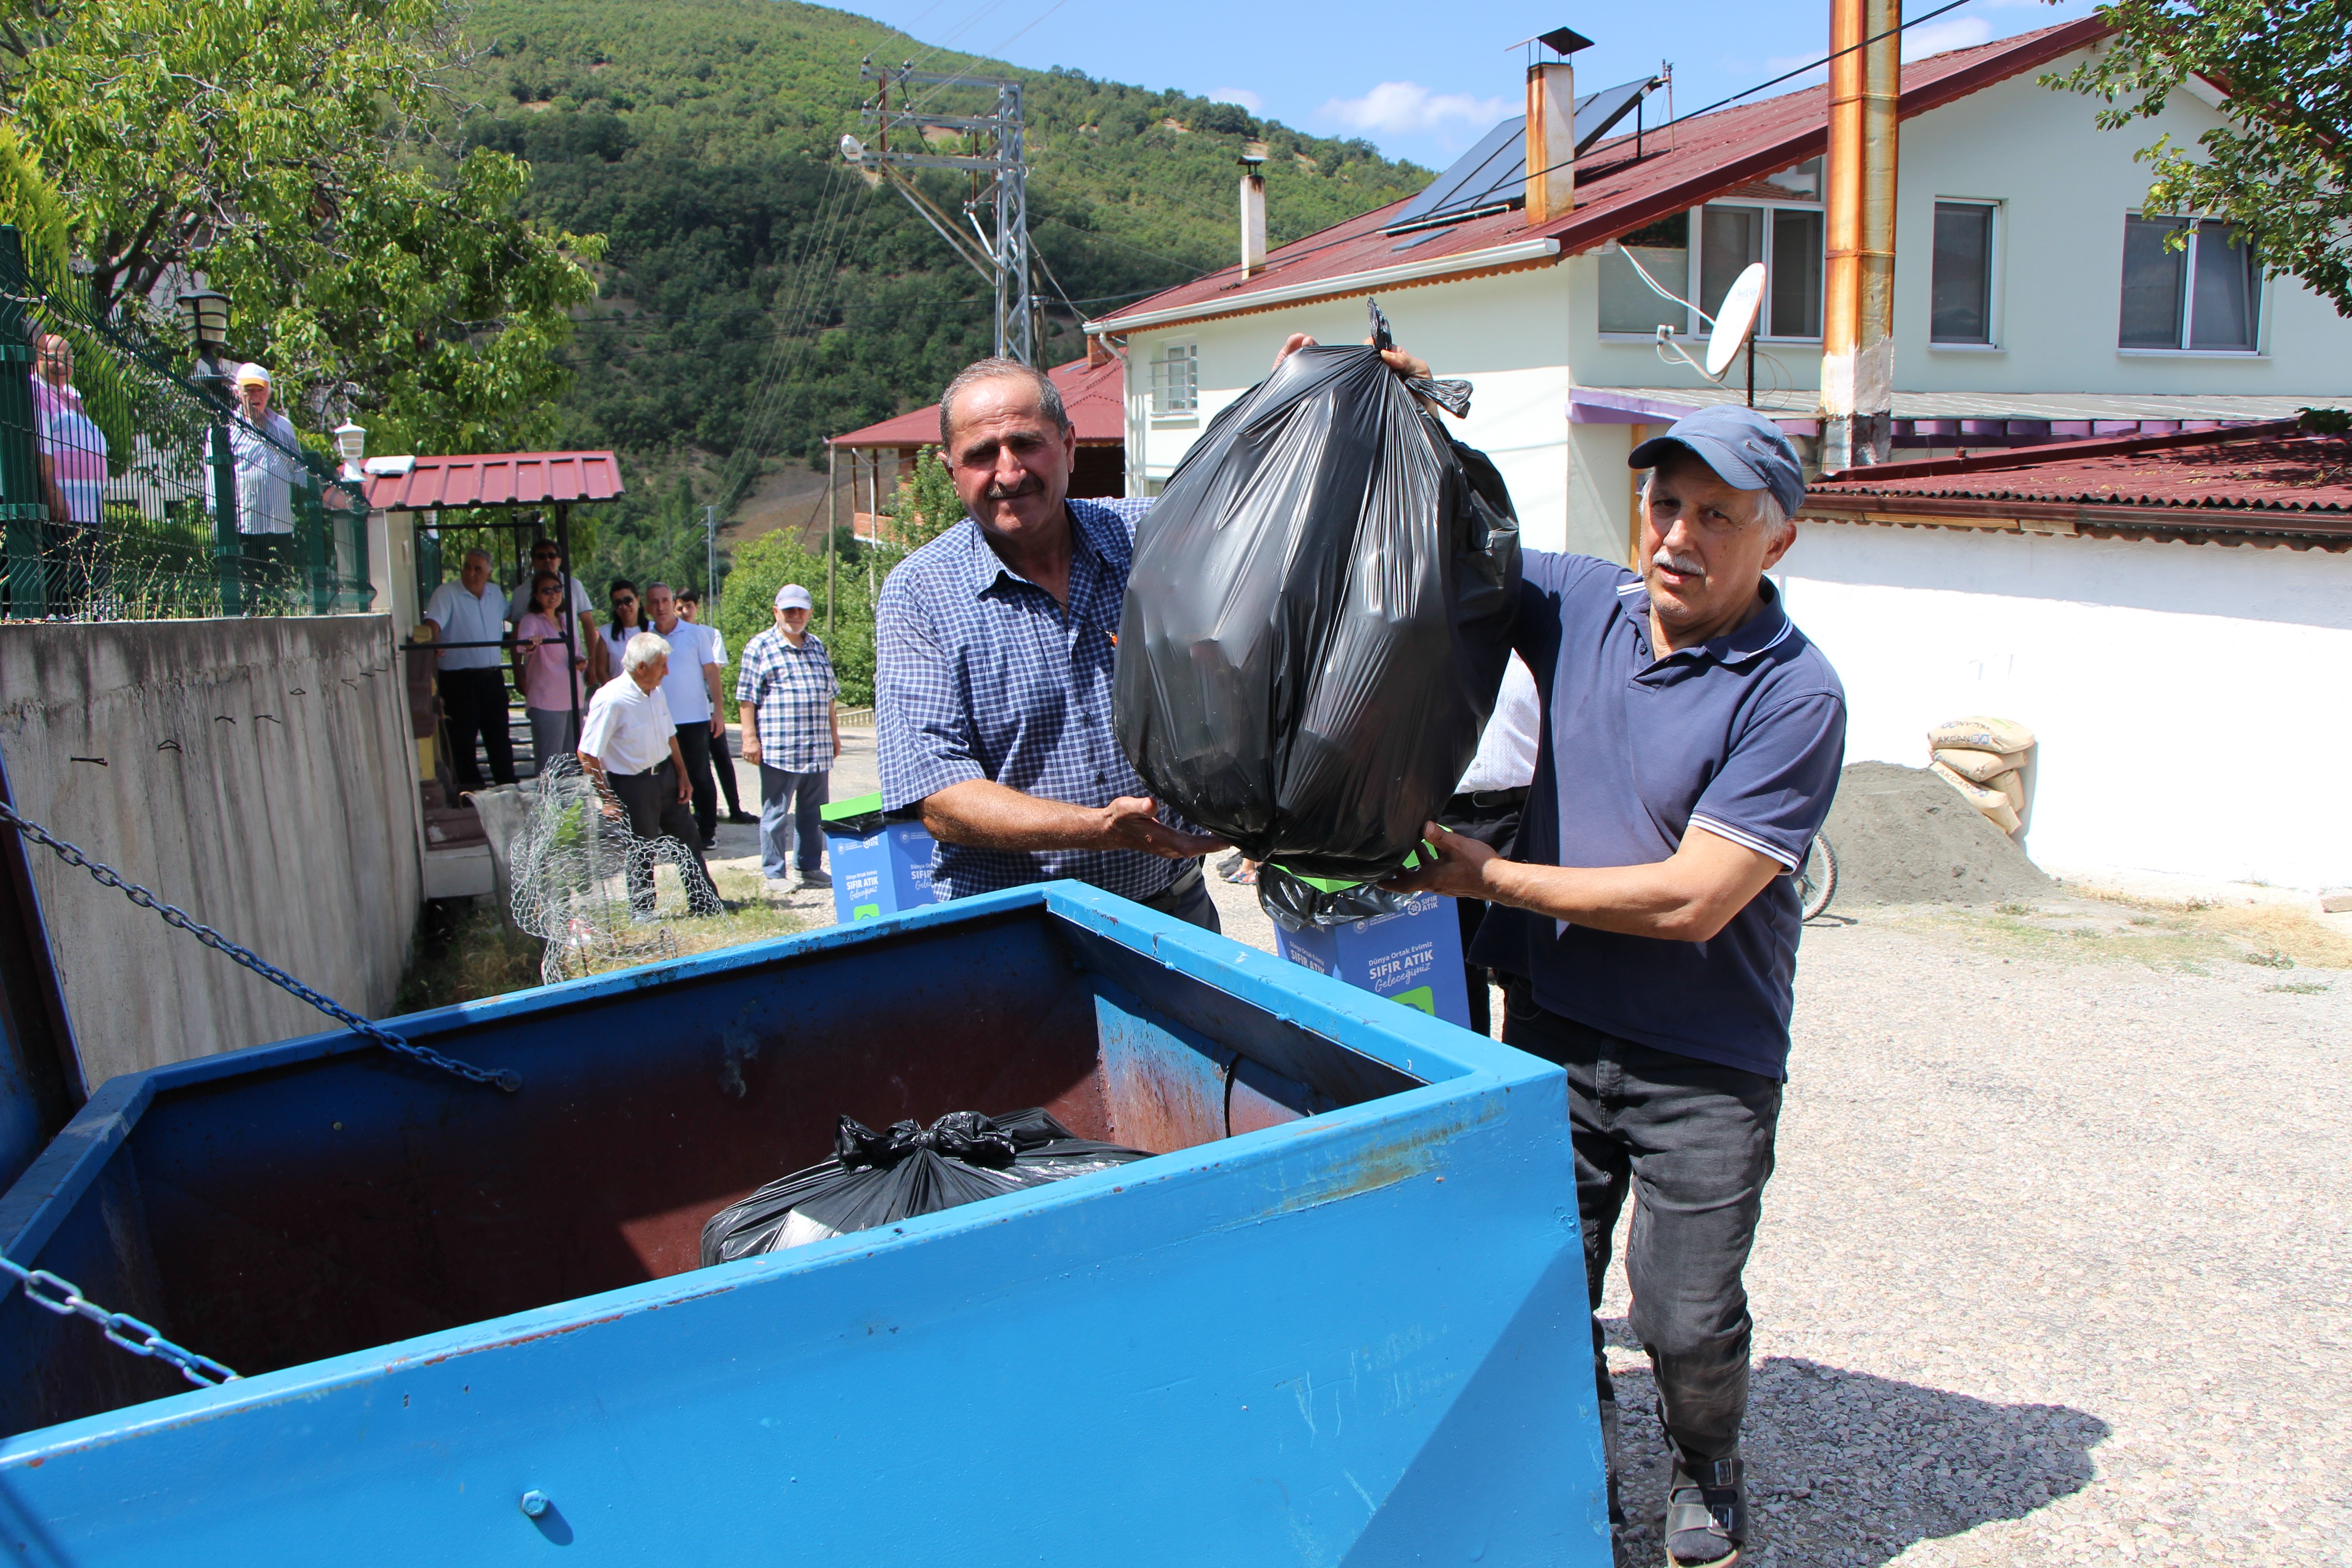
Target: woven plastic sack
x=1980, y=734
x=879, y=1178
x=1977, y=767
x=1318, y=617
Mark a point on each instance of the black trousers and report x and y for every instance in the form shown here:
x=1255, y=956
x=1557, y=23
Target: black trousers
x=722, y=763
x=1694, y=1141
x=694, y=746
x=1492, y=817
x=655, y=811
x=474, y=702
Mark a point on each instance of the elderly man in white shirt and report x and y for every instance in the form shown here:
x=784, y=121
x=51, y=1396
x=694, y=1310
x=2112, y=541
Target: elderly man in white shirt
x=473, y=610
x=629, y=748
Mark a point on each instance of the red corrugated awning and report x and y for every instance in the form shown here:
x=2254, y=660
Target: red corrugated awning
x=498, y=479
x=1093, y=396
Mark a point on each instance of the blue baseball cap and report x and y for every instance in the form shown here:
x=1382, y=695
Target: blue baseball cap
x=1745, y=450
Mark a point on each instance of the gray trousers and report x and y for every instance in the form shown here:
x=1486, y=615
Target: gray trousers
x=552, y=733
x=789, y=807
x=1694, y=1141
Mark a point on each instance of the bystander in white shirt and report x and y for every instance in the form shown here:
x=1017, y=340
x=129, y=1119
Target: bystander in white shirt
x=687, y=684
x=629, y=729
x=469, y=617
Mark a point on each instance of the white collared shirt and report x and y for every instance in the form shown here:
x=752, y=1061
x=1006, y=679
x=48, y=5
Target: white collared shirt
x=629, y=729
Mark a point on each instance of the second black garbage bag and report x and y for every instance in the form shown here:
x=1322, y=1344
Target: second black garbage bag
x=876, y=1178
x=1318, y=619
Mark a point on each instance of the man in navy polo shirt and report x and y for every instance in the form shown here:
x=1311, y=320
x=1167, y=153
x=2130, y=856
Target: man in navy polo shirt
x=1648, y=923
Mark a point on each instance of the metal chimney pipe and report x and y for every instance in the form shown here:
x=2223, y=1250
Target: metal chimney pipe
x=1253, y=162
x=1858, y=314
x=1552, y=141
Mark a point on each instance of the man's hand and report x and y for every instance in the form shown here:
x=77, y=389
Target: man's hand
x=717, y=726
x=1291, y=345
x=986, y=814
x=1459, y=871
x=751, y=747
x=1132, y=822
x=684, y=790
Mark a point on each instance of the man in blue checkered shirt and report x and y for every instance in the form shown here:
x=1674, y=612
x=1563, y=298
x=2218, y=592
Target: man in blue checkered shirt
x=994, y=646
x=792, y=729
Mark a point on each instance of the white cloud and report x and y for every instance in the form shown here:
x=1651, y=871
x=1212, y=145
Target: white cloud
x=1406, y=107
x=1934, y=37
x=1240, y=95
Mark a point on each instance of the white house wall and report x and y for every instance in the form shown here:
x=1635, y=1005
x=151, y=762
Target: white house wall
x=2177, y=691
x=1507, y=336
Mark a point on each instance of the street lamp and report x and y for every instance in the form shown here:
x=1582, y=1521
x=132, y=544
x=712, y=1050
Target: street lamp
x=204, y=316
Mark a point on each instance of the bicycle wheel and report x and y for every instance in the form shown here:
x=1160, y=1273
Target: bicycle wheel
x=1817, y=877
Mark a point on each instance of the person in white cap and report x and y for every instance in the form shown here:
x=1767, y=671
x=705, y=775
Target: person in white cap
x=792, y=729
x=264, y=443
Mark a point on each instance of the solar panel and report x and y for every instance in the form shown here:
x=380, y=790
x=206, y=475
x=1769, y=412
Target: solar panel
x=1496, y=171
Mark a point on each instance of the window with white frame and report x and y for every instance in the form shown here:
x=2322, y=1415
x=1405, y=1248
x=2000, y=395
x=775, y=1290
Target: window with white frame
x=1700, y=253
x=1960, y=289
x=1175, y=380
x=2189, y=284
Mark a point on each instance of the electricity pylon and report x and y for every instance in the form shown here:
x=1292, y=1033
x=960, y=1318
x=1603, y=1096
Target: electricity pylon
x=989, y=152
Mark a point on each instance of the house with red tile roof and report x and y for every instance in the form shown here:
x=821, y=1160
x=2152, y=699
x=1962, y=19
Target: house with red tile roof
x=2166, y=613
x=2035, y=301
x=2143, y=608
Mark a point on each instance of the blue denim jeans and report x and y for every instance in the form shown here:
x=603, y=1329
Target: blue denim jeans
x=1694, y=1141
x=789, y=803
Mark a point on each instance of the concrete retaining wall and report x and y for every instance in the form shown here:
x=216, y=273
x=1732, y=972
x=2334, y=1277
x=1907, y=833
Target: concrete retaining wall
x=256, y=772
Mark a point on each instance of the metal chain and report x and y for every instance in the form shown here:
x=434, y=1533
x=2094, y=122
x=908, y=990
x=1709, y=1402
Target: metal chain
x=200, y=1370
x=507, y=1079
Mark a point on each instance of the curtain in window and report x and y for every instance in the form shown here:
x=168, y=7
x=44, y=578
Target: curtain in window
x=2221, y=315
x=1627, y=304
x=1730, y=240
x=2152, y=285
x=1960, y=292
x=1796, y=275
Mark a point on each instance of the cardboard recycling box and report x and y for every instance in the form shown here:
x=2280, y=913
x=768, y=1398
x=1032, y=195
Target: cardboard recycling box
x=879, y=867
x=1413, y=956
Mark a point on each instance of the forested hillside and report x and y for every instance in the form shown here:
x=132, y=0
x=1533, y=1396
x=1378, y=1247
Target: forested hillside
x=757, y=295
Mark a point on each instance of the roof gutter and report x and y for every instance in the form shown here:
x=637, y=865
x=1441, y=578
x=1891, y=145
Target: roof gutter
x=1520, y=253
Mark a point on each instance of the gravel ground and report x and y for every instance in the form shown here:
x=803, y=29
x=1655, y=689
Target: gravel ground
x=2055, y=1268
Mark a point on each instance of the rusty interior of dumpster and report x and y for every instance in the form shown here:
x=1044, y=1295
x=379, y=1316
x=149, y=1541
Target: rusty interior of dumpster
x=280, y=1216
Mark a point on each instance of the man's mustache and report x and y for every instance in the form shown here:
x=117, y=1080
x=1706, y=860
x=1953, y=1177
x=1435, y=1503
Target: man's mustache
x=1673, y=562
x=1028, y=486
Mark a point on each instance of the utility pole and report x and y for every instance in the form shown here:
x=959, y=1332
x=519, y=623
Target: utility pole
x=710, y=564
x=999, y=180
x=1858, y=318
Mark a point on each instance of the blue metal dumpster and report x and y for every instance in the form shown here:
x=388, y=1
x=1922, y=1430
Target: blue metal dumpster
x=1338, y=1318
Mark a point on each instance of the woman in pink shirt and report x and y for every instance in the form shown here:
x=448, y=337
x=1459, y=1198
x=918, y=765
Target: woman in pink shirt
x=548, y=699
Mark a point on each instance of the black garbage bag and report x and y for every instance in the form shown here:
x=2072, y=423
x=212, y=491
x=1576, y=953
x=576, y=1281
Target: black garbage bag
x=879, y=1178
x=1317, y=618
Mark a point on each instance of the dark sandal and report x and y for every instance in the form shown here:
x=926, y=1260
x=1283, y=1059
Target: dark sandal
x=1707, y=1512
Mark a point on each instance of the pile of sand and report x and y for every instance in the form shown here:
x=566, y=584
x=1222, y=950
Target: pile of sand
x=1904, y=836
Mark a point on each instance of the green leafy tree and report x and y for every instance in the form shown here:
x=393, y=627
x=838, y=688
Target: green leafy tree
x=925, y=504
x=2281, y=168
x=767, y=563
x=286, y=149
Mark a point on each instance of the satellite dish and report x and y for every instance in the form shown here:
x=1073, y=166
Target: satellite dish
x=1734, y=320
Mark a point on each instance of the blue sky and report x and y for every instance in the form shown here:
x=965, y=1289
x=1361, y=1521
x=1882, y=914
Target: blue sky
x=1422, y=80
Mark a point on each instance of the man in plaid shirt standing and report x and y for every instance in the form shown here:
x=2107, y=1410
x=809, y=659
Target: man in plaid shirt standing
x=792, y=729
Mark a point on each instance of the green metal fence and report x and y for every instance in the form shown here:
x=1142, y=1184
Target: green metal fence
x=130, y=491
